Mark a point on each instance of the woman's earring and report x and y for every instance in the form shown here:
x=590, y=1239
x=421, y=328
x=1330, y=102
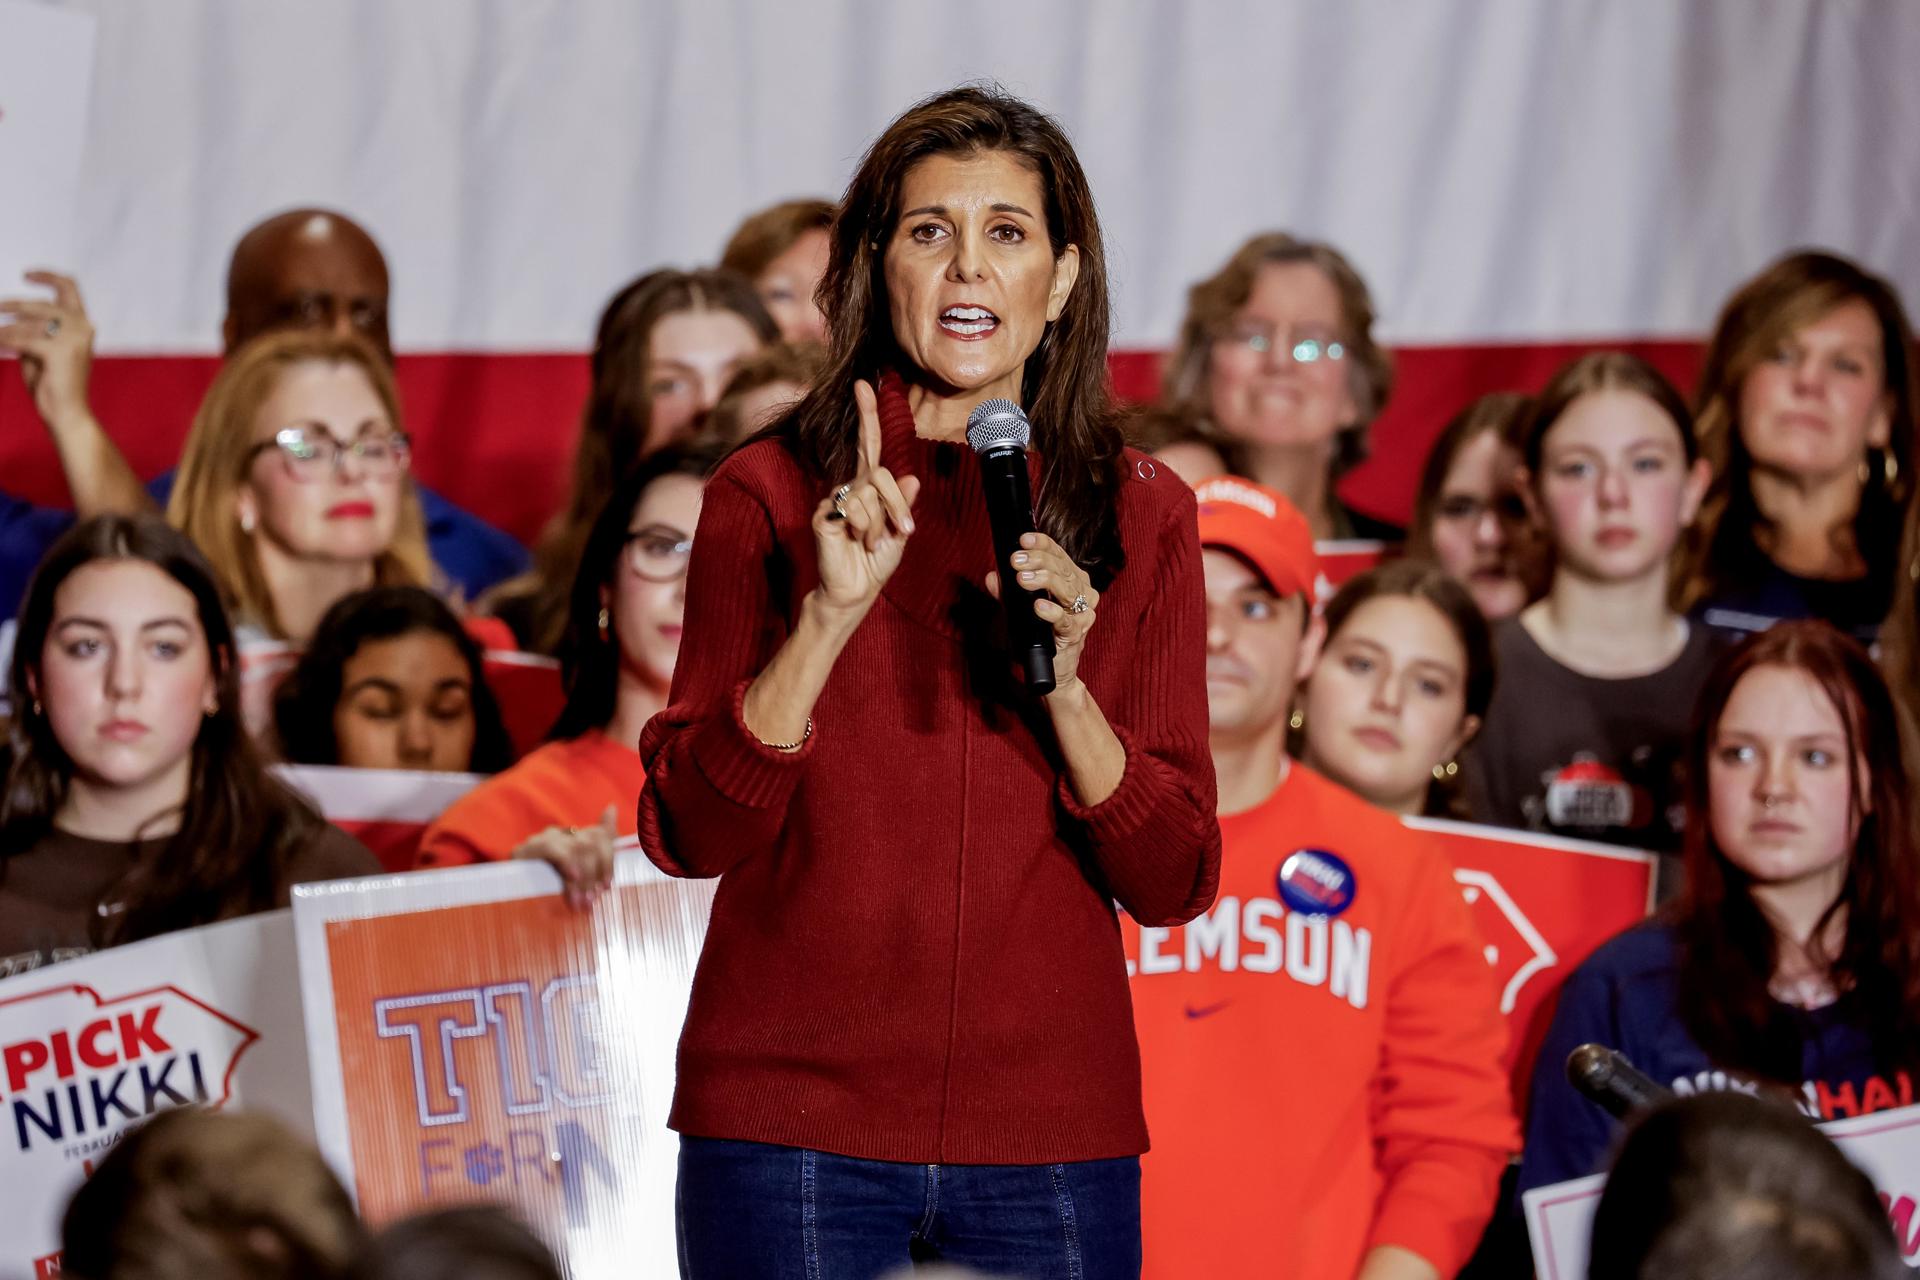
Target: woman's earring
x=605, y=622
x=1441, y=772
x=1298, y=720
x=37, y=708
x=1889, y=467
x=246, y=522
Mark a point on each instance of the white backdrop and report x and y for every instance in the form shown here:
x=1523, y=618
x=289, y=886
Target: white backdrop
x=1500, y=169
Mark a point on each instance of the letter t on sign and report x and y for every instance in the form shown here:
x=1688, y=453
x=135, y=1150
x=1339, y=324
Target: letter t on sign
x=430, y=1024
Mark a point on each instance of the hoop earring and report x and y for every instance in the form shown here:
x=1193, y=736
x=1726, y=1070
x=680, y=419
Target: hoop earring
x=1441, y=772
x=605, y=622
x=1298, y=720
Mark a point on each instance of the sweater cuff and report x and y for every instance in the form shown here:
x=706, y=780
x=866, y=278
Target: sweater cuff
x=1132, y=803
x=739, y=766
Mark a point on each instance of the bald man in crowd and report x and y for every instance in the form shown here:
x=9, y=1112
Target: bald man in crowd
x=302, y=269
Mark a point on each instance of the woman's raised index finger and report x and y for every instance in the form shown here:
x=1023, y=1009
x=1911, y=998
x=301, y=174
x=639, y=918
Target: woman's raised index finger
x=869, y=425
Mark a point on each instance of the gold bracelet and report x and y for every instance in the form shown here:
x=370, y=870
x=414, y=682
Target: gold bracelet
x=791, y=746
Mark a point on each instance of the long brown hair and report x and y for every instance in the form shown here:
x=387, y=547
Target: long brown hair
x=616, y=427
x=239, y=827
x=1064, y=388
x=1726, y=545
x=1728, y=949
x=1213, y=302
x=1422, y=580
x=214, y=464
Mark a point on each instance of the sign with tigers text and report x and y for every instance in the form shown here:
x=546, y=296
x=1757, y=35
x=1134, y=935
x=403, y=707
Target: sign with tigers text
x=475, y=1038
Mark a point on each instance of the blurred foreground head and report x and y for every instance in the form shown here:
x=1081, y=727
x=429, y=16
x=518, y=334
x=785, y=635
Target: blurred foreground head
x=210, y=1195
x=1725, y=1186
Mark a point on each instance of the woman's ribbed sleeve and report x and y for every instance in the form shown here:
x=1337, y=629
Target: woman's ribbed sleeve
x=716, y=795
x=1156, y=838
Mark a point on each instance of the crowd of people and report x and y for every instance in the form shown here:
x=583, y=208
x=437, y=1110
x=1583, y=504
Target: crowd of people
x=1680, y=623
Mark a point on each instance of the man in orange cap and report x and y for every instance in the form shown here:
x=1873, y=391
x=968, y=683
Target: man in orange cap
x=1321, y=1050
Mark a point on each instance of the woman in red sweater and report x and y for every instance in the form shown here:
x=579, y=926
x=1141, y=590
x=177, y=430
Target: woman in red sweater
x=910, y=1034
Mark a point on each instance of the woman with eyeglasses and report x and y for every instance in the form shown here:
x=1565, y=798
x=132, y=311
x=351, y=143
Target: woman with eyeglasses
x=1470, y=516
x=568, y=801
x=295, y=482
x=1277, y=355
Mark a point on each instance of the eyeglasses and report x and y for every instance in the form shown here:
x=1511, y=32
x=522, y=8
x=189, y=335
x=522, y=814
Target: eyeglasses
x=312, y=456
x=658, y=553
x=1469, y=508
x=1305, y=347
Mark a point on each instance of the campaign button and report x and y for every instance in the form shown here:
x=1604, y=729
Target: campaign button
x=1316, y=882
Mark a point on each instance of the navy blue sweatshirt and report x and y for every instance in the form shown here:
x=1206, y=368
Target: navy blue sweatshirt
x=1626, y=997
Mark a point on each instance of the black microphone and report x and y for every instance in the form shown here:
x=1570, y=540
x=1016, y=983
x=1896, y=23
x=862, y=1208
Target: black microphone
x=1605, y=1077
x=999, y=434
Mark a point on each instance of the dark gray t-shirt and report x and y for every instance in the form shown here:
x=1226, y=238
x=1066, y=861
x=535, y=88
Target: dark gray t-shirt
x=51, y=893
x=1586, y=756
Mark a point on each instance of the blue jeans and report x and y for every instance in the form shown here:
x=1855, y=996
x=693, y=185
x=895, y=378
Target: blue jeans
x=750, y=1211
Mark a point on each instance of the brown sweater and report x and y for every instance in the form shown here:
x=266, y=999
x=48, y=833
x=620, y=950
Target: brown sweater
x=51, y=892
x=913, y=953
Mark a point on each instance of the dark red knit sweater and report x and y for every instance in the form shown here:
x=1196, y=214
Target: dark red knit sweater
x=913, y=954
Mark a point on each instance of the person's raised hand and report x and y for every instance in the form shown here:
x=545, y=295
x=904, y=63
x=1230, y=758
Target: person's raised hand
x=54, y=340
x=582, y=855
x=1066, y=603
x=860, y=530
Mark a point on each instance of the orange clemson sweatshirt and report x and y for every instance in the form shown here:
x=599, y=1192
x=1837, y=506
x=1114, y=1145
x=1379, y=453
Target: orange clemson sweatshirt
x=1321, y=1052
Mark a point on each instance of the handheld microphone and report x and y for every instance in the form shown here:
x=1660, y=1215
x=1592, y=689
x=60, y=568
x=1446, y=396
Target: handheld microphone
x=1606, y=1078
x=999, y=434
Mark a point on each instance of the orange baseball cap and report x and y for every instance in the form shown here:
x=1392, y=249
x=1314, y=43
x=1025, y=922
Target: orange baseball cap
x=1262, y=527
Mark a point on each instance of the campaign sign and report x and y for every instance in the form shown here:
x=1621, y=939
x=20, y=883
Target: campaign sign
x=474, y=1038
x=1346, y=558
x=92, y=1046
x=1543, y=903
x=387, y=810
x=1885, y=1145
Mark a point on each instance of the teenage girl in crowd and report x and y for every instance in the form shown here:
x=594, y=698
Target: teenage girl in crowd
x=391, y=680
x=666, y=347
x=1613, y=472
x=1399, y=688
x=1792, y=959
x=571, y=799
x=134, y=803
x=295, y=482
x=1277, y=354
x=1806, y=412
x=1376, y=1154
x=783, y=251
x=1470, y=517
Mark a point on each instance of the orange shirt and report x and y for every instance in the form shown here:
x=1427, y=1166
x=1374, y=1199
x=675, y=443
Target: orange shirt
x=562, y=784
x=1321, y=1052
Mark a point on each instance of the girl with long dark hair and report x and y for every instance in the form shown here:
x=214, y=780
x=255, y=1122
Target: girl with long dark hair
x=133, y=802
x=914, y=959
x=1791, y=961
x=569, y=800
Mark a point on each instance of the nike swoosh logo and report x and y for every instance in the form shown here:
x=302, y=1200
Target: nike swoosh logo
x=1206, y=1010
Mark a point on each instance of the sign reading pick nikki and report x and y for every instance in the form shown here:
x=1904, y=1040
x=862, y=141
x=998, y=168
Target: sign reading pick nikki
x=92, y=1046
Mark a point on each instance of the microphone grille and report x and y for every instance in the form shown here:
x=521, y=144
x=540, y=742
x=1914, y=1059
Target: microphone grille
x=994, y=424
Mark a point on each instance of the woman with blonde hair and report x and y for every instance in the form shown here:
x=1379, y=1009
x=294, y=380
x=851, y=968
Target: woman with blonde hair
x=1277, y=354
x=295, y=483
x=1806, y=413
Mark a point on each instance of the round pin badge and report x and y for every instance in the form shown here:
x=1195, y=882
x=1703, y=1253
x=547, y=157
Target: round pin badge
x=1316, y=882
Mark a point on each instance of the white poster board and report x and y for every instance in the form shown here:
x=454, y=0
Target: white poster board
x=475, y=1038
x=92, y=1046
x=1886, y=1145
x=46, y=81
